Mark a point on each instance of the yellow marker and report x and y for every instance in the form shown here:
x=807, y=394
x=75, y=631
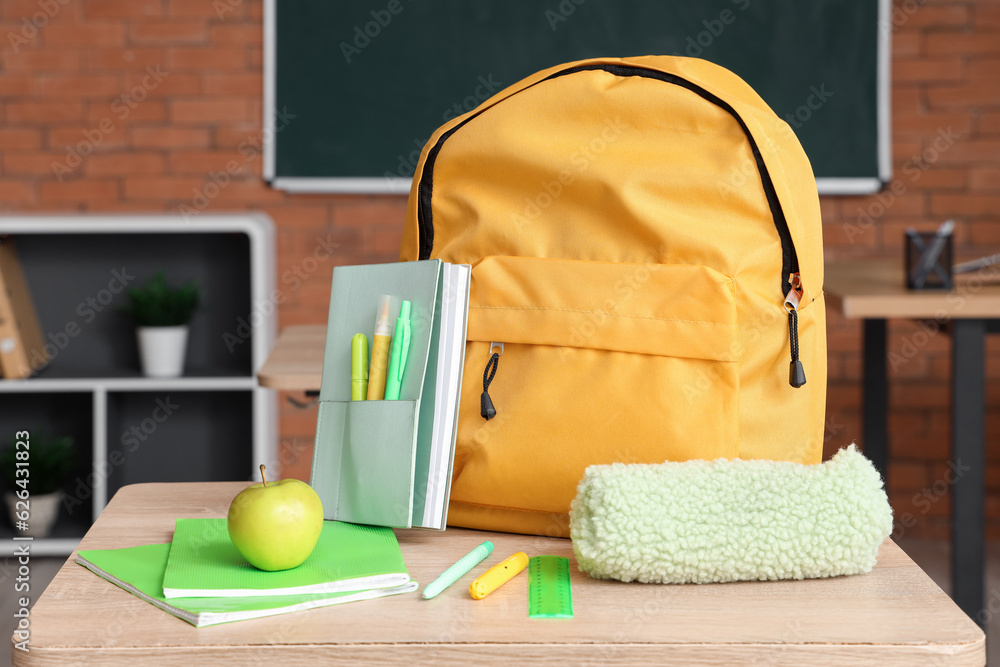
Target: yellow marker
x=498, y=575
x=359, y=367
x=380, y=350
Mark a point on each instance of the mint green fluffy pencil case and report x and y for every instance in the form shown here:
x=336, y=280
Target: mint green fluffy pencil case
x=730, y=520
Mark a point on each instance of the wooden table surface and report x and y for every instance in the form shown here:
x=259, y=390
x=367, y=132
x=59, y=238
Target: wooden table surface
x=894, y=616
x=296, y=362
x=877, y=288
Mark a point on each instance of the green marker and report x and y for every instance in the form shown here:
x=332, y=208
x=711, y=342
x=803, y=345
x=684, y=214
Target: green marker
x=400, y=349
x=459, y=569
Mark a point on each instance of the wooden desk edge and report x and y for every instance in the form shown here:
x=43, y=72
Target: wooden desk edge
x=275, y=374
x=972, y=654
x=287, y=381
x=875, y=289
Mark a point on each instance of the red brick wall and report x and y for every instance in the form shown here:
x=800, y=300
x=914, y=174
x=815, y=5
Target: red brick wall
x=946, y=82
x=61, y=93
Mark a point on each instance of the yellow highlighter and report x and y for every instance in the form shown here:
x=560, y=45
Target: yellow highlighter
x=359, y=367
x=498, y=575
x=380, y=349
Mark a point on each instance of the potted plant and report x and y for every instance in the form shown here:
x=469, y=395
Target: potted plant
x=161, y=314
x=49, y=462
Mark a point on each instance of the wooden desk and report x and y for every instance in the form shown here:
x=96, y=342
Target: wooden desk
x=296, y=362
x=894, y=616
x=875, y=291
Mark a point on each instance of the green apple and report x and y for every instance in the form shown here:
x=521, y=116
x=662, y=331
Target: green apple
x=276, y=526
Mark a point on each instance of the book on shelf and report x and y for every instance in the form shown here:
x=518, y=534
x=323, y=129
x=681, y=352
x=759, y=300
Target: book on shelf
x=22, y=346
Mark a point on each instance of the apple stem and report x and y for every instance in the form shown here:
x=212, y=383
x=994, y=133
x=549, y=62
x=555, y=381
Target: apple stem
x=262, y=478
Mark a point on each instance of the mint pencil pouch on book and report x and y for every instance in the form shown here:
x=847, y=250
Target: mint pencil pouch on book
x=389, y=462
x=730, y=520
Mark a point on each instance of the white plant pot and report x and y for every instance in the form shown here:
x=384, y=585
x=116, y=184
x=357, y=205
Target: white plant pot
x=43, y=511
x=161, y=350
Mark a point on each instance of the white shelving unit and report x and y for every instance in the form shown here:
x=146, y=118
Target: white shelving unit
x=221, y=404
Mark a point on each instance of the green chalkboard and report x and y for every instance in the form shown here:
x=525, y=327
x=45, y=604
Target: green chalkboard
x=358, y=86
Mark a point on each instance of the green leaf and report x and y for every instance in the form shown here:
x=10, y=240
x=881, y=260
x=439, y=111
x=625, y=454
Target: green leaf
x=156, y=304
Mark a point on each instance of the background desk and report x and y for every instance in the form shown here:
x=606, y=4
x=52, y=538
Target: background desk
x=296, y=362
x=894, y=616
x=875, y=291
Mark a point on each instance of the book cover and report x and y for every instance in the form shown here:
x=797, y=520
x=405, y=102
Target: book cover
x=140, y=571
x=22, y=347
x=203, y=562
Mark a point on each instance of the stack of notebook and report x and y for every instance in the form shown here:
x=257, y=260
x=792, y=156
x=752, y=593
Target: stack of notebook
x=201, y=578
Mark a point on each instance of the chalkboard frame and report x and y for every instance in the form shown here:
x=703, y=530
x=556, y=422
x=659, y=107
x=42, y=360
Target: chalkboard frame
x=401, y=186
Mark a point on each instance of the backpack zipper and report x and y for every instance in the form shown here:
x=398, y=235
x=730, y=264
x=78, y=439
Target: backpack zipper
x=796, y=373
x=789, y=257
x=486, y=408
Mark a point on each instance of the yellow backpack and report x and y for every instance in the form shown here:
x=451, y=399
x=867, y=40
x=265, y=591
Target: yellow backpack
x=646, y=286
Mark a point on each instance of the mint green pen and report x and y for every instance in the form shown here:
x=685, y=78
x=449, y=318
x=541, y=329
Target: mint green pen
x=400, y=350
x=459, y=569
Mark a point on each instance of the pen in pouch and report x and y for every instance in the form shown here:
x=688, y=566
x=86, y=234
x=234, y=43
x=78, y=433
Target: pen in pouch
x=400, y=350
x=380, y=349
x=359, y=367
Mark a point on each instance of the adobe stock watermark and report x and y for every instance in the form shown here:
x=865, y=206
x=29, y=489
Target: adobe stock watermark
x=406, y=165
x=794, y=634
x=217, y=181
x=580, y=161
x=928, y=497
x=910, y=345
x=292, y=450
x=634, y=619
x=901, y=13
x=20, y=493
x=31, y=26
x=293, y=278
x=131, y=439
x=695, y=45
x=87, y=310
x=913, y=169
x=985, y=615
x=814, y=102
x=745, y=170
x=628, y=287
x=362, y=35
x=225, y=7
x=561, y=13
x=928, y=329
x=121, y=108
x=484, y=90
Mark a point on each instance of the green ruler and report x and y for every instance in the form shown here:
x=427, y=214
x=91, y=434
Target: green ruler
x=549, y=594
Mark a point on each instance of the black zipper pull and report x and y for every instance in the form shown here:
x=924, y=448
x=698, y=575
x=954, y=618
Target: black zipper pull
x=796, y=373
x=486, y=408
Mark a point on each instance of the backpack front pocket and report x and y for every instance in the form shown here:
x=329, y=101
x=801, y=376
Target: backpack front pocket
x=601, y=362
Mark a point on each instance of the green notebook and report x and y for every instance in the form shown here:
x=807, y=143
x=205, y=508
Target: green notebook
x=389, y=463
x=139, y=570
x=204, y=563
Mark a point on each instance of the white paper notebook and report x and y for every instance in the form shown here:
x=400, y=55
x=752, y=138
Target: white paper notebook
x=454, y=314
